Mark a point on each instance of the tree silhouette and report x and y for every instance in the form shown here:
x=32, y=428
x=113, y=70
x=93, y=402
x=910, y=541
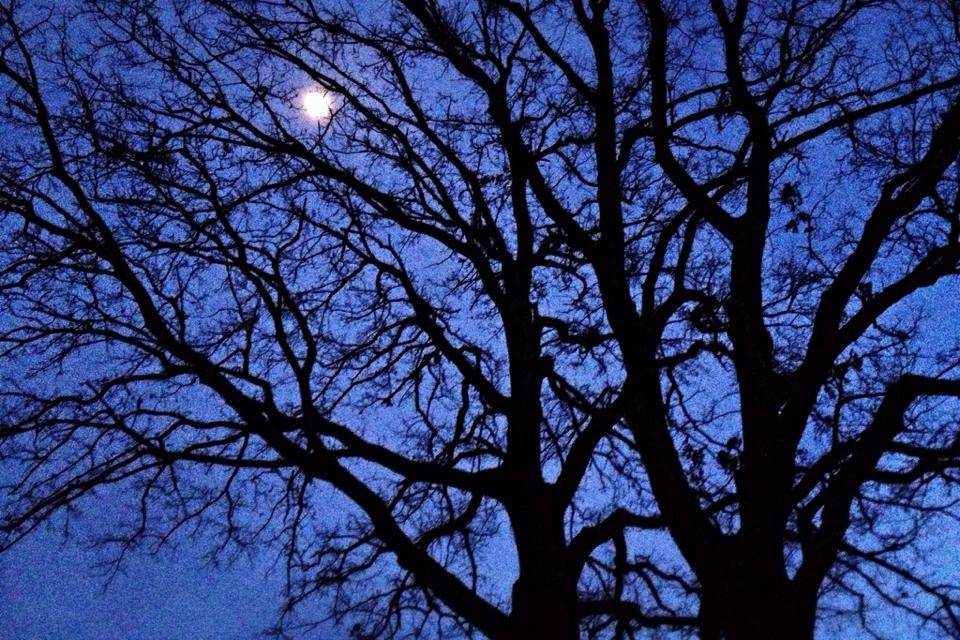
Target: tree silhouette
x=614, y=319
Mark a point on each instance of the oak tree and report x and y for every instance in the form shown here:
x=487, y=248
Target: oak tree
x=560, y=319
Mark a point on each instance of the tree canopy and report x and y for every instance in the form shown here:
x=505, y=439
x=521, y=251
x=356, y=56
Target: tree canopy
x=569, y=319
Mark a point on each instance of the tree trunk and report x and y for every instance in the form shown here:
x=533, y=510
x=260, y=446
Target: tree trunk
x=543, y=611
x=739, y=614
x=753, y=625
x=545, y=593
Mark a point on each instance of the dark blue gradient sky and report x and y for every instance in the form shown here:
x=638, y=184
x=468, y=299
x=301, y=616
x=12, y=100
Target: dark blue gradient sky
x=50, y=589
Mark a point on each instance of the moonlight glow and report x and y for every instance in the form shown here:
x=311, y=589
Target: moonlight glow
x=317, y=104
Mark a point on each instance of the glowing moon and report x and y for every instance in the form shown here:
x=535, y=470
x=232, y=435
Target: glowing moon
x=317, y=104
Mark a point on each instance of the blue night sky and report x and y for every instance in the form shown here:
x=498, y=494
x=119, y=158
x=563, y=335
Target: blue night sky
x=52, y=589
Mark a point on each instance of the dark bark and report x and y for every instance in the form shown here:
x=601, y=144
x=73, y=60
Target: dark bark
x=544, y=599
x=544, y=606
x=751, y=597
x=734, y=614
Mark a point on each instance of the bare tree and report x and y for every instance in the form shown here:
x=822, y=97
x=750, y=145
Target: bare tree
x=614, y=319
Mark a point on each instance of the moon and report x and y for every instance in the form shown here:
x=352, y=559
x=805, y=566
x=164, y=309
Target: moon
x=317, y=104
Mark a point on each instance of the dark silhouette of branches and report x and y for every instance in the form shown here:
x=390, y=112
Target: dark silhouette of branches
x=570, y=319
